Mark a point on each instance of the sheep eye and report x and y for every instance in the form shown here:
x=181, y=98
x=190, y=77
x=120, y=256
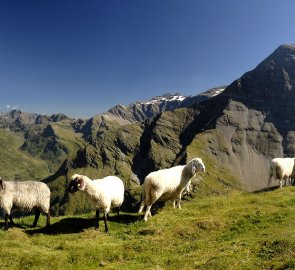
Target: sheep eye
x=79, y=185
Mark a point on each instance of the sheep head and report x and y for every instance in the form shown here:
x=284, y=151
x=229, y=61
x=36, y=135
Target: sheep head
x=197, y=165
x=77, y=183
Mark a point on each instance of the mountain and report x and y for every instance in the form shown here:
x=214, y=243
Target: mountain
x=236, y=130
x=139, y=111
x=252, y=121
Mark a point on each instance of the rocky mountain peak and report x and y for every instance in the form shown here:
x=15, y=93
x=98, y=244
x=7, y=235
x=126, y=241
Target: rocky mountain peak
x=273, y=80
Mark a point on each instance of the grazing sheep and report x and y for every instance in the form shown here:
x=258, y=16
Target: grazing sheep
x=106, y=193
x=168, y=184
x=26, y=196
x=282, y=168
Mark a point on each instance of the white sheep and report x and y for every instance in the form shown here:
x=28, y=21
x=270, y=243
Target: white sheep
x=26, y=196
x=168, y=184
x=282, y=168
x=106, y=193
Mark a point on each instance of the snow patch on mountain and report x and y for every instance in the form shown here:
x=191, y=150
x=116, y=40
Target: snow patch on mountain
x=166, y=97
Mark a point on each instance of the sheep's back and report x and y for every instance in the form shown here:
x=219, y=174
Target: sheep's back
x=110, y=190
x=284, y=166
x=166, y=179
x=27, y=194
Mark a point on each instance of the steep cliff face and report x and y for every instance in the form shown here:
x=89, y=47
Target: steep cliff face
x=270, y=87
x=243, y=141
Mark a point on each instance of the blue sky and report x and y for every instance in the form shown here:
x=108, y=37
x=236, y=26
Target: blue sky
x=83, y=57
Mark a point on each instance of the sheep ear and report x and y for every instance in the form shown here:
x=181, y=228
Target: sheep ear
x=1, y=183
x=80, y=184
x=194, y=168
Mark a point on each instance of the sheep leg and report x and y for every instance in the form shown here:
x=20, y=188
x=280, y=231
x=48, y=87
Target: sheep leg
x=281, y=183
x=141, y=206
x=11, y=223
x=142, y=203
x=47, y=219
x=6, y=226
x=97, y=220
x=118, y=214
x=151, y=198
x=147, y=213
x=178, y=203
x=106, y=229
x=179, y=200
x=37, y=215
x=179, y=207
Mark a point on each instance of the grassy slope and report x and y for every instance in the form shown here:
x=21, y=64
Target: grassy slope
x=72, y=140
x=236, y=231
x=16, y=164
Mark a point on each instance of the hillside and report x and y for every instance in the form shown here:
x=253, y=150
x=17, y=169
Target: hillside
x=234, y=231
x=16, y=165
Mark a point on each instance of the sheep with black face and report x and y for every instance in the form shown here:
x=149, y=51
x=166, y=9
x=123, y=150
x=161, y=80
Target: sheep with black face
x=106, y=193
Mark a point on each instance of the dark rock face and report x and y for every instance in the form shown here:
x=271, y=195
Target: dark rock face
x=161, y=144
x=270, y=87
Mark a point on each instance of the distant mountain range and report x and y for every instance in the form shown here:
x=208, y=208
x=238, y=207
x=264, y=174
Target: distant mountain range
x=140, y=111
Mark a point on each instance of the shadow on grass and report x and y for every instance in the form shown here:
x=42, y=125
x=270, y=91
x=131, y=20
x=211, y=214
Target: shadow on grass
x=15, y=225
x=77, y=224
x=124, y=218
x=65, y=226
x=266, y=189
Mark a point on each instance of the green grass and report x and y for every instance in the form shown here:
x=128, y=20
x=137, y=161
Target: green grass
x=234, y=231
